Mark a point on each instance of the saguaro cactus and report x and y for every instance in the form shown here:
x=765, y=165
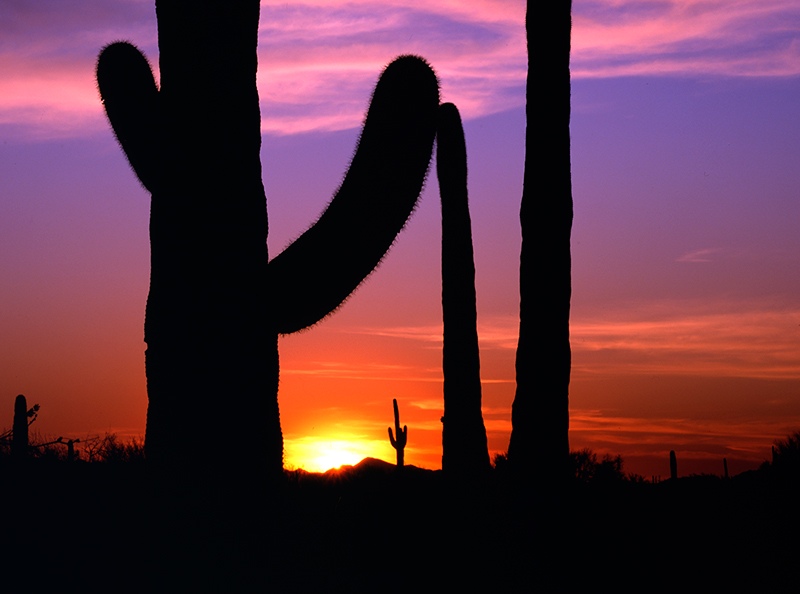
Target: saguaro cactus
x=19, y=439
x=673, y=465
x=539, y=446
x=398, y=444
x=464, y=447
x=216, y=305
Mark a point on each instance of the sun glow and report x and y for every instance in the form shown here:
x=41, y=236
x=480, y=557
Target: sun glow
x=319, y=455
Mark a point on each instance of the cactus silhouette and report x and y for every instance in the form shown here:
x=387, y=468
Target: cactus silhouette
x=19, y=439
x=539, y=445
x=673, y=465
x=402, y=436
x=464, y=447
x=216, y=305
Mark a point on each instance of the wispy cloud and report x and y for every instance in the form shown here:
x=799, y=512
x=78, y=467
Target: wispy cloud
x=358, y=370
x=722, y=338
x=680, y=37
x=711, y=339
x=699, y=255
x=693, y=438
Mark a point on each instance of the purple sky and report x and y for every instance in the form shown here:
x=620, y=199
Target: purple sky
x=685, y=144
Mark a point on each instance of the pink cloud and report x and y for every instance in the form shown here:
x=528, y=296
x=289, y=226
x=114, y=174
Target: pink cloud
x=685, y=37
x=319, y=60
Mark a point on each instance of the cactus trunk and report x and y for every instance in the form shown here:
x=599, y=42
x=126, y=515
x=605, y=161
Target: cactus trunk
x=539, y=445
x=673, y=465
x=464, y=447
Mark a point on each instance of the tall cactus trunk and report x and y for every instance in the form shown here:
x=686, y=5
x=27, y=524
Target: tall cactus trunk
x=464, y=446
x=539, y=446
x=210, y=347
x=19, y=436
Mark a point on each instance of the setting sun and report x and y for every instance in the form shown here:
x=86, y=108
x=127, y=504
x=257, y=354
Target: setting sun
x=319, y=455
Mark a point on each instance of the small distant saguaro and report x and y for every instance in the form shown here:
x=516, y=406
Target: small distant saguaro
x=673, y=465
x=402, y=436
x=19, y=440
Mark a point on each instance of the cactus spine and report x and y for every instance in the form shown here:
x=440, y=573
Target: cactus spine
x=673, y=465
x=215, y=305
x=539, y=445
x=464, y=447
x=398, y=444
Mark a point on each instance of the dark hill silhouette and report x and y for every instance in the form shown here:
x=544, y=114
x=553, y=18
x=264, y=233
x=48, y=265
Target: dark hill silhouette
x=73, y=527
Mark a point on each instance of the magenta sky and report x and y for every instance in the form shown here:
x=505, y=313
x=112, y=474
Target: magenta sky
x=686, y=138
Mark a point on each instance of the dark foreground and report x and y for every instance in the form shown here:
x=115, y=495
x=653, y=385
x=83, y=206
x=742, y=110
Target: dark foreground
x=109, y=528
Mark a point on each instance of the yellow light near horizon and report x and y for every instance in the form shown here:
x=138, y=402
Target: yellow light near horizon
x=319, y=455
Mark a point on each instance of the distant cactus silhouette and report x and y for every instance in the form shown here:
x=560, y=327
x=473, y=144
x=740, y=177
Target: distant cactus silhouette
x=725, y=467
x=673, y=465
x=464, y=447
x=539, y=445
x=19, y=439
x=216, y=305
x=398, y=444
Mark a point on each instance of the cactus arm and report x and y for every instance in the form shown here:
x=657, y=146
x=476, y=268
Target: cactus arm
x=391, y=439
x=324, y=266
x=400, y=434
x=130, y=97
x=464, y=444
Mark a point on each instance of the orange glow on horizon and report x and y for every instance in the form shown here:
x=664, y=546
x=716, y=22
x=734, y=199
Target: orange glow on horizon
x=318, y=454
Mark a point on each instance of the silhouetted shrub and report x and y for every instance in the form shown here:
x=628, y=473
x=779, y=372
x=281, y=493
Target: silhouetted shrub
x=109, y=449
x=500, y=461
x=787, y=451
x=586, y=469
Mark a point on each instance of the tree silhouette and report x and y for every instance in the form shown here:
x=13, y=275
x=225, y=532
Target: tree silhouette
x=539, y=445
x=215, y=305
x=464, y=448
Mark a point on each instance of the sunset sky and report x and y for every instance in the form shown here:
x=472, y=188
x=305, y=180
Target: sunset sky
x=685, y=322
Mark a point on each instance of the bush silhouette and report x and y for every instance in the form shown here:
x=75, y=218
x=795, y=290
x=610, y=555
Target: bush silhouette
x=585, y=468
x=786, y=455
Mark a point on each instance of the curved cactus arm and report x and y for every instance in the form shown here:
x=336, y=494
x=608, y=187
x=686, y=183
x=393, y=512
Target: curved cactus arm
x=130, y=97
x=324, y=266
x=391, y=438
